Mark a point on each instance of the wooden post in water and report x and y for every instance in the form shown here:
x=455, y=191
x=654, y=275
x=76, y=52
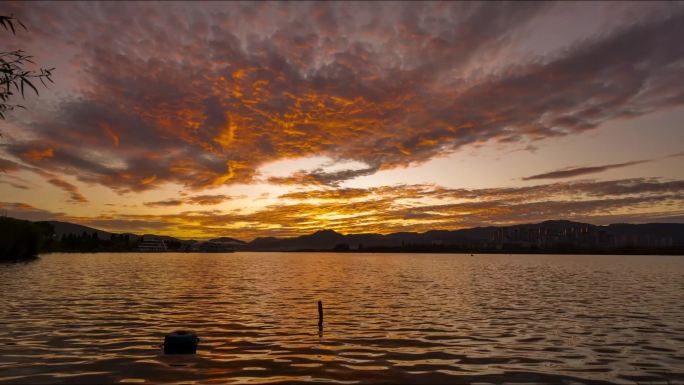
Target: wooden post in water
x=320, y=315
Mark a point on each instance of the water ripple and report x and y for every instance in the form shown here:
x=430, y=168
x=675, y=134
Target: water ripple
x=100, y=318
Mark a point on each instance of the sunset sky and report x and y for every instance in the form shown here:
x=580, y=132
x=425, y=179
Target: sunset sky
x=277, y=119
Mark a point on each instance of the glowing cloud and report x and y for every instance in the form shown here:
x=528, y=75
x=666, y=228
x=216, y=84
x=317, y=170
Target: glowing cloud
x=386, y=91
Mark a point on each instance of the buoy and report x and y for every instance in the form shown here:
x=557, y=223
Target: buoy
x=181, y=342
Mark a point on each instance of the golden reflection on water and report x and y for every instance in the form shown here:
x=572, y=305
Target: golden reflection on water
x=70, y=318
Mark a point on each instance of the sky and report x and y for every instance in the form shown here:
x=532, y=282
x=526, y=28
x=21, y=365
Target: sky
x=248, y=120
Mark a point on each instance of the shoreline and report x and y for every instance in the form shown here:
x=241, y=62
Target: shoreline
x=360, y=252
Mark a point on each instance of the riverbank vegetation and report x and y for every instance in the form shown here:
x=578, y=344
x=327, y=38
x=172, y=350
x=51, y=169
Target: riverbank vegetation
x=21, y=239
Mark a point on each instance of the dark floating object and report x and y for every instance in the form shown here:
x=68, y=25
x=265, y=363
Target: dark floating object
x=181, y=342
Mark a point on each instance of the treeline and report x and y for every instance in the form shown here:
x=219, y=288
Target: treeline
x=21, y=239
x=90, y=242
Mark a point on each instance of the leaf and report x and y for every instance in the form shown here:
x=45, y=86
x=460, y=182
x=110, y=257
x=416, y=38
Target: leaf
x=28, y=82
x=12, y=71
x=9, y=21
x=22, y=24
x=32, y=86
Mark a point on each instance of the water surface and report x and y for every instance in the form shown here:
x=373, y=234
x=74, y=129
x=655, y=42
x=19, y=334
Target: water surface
x=99, y=318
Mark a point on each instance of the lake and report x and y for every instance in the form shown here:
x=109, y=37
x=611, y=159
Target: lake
x=410, y=318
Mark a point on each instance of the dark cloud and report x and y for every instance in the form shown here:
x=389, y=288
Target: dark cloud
x=18, y=183
x=7, y=165
x=28, y=212
x=126, y=225
x=208, y=200
x=578, y=189
x=204, y=97
x=321, y=177
x=74, y=194
x=579, y=171
x=203, y=200
x=165, y=203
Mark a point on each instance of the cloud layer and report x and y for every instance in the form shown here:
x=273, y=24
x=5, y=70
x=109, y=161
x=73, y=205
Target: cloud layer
x=204, y=96
x=408, y=208
x=579, y=171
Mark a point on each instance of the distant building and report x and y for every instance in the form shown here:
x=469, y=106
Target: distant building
x=152, y=243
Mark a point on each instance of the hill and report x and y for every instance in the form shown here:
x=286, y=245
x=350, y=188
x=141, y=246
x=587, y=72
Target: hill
x=228, y=241
x=557, y=236
x=66, y=228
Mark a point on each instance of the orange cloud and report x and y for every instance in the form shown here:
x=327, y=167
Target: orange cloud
x=337, y=194
x=427, y=207
x=38, y=155
x=208, y=112
x=414, y=208
x=108, y=129
x=208, y=200
x=164, y=203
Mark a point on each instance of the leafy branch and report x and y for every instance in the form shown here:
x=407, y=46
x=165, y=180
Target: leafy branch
x=14, y=77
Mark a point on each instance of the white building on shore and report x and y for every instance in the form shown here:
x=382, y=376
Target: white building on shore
x=152, y=243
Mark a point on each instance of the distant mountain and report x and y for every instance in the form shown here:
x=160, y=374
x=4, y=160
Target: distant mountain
x=557, y=236
x=548, y=236
x=320, y=240
x=228, y=241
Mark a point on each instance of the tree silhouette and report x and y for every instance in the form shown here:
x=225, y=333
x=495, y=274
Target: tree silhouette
x=14, y=76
